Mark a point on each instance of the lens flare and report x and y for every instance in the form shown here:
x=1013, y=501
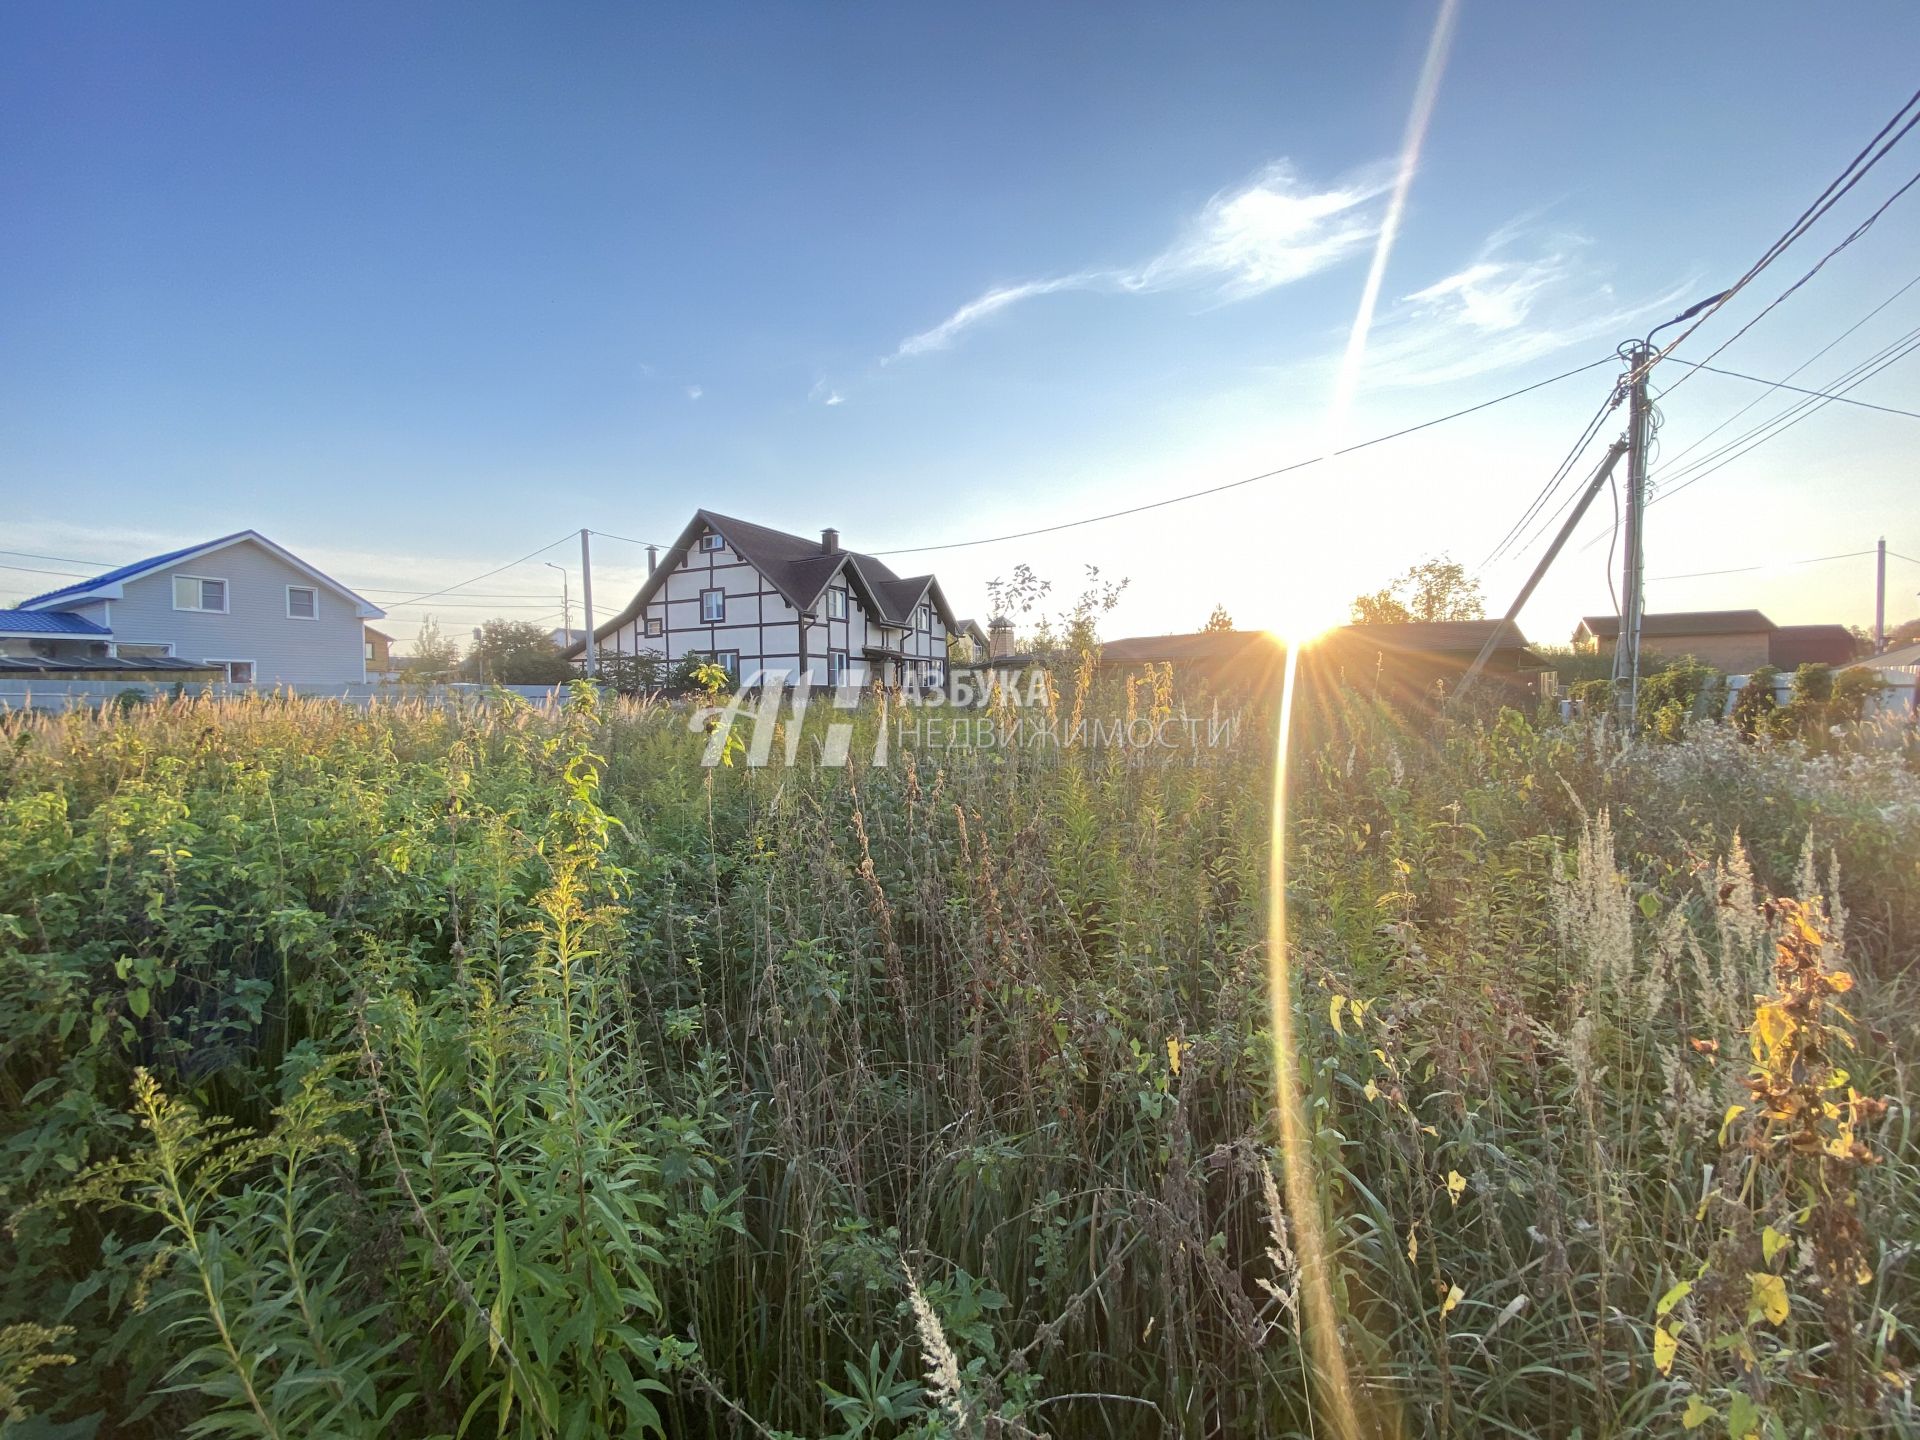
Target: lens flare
x=1334, y=1396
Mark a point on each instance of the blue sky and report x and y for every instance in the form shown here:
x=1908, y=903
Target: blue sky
x=412, y=289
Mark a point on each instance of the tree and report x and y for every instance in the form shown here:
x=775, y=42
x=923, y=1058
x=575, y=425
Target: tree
x=1435, y=589
x=518, y=652
x=1905, y=633
x=435, y=655
x=1219, y=619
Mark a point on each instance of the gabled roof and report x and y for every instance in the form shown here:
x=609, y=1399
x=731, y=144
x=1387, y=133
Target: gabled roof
x=1898, y=659
x=1206, y=645
x=111, y=586
x=17, y=623
x=1791, y=646
x=1680, y=622
x=797, y=568
x=1437, y=637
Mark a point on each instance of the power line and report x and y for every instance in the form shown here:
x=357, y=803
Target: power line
x=1779, y=425
x=1773, y=565
x=1908, y=558
x=32, y=570
x=486, y=575
x=1247, y=480
x=629, y=540
x=1553, y=482
x=1825, y=201
x=1799, y=390
x=1859, y=230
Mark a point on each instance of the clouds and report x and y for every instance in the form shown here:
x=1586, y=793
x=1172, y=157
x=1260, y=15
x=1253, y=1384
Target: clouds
x=1522, y=296
x=1270, y=232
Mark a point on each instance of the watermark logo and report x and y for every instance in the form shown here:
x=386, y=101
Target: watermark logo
x=1008, y=711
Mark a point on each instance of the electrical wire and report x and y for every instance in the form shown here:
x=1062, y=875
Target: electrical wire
x=1249, y=479
x=629, y=540
x=1854, y=172
x=1553, y=481
x=1773, y=565
x=1800, y=390
x=485, y=575
x=1859, y=230
x=1700, y=474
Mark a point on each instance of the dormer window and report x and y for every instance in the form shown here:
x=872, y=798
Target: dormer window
x=198, y=592
x=713, y=540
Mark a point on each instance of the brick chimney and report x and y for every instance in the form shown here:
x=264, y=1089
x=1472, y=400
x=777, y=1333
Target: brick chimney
x=830, y=541
x=999, y=637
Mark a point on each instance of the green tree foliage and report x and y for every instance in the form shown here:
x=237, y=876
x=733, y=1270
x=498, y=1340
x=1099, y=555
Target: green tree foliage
x=1435, y=589
x=519, y=652
x=435, y=655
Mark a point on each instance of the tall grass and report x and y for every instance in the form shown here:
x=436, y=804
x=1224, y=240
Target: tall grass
x=419, y=1072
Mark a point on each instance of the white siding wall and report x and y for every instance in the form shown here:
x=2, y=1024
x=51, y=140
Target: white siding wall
x=763, y=627
x=327, y=650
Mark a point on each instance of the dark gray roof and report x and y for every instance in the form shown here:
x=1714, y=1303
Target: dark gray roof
x=1673, y=623
x=1437, y=637
x=796, y=567
x=1206, y=645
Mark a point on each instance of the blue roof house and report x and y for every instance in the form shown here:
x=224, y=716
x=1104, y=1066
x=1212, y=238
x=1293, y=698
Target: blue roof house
x=240, y=604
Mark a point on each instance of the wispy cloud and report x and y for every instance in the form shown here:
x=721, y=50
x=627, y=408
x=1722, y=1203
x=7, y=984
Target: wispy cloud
x=694, y=392
x=1244, y=242
x=826, y=394
x=1521, y=297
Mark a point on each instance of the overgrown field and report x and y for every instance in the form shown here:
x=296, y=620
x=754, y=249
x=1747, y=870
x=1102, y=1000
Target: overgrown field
x=423, y=1073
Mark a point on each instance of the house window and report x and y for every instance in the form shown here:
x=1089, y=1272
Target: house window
x=713, y=606
x=196, y=592
x=303, y=602
x=837, y=672
x=238, y=672
x=934, y=675
x=926, y=617
x=836, y=604
x=141, y=650
x=713, y=540
x=656, y=627
x=369, y=654
x=727, y=660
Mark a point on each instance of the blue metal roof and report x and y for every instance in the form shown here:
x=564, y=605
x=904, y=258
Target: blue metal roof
x=126, y=572
x=49, y=622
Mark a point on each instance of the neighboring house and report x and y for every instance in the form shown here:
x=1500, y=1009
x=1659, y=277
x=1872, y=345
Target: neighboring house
x=563, y=639
x=1218, y=657
x=379, y=652
x=240, y=605
x=1792, y=646
x=1737, y=642
x=1417, y=660
x=1430, y=657
x=754, y=600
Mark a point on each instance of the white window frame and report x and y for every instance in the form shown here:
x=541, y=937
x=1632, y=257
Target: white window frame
x=716, y=619
x=729, y=661
x=253, y=670
x=656, y=627
x=711, y=541
x=836, y=603
x=926, y=618
x=839, y=669
x=226, y=594
x=313, y=590
x=165, y=647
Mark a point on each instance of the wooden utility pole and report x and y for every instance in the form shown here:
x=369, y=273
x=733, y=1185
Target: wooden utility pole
x=1626, y=647
x=586, y=598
